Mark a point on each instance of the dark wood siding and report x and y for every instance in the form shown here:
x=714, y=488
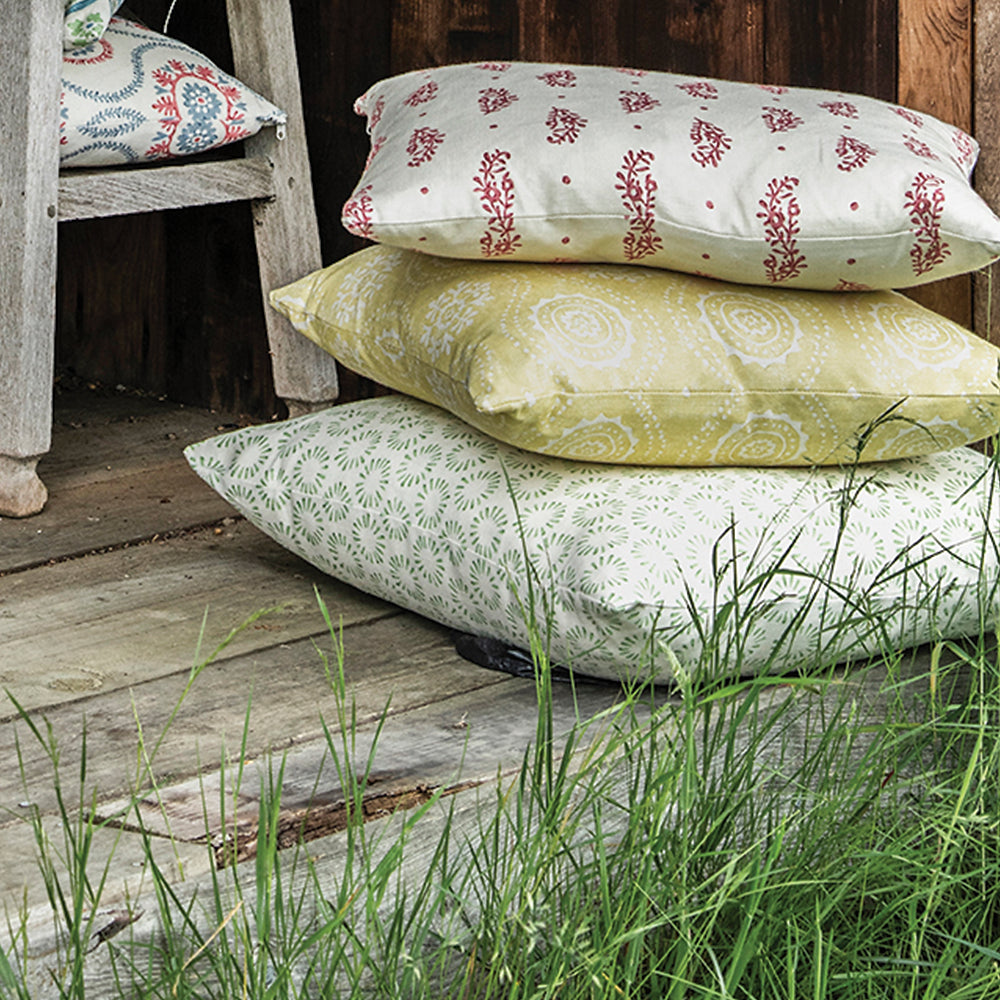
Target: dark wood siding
x=170, y=303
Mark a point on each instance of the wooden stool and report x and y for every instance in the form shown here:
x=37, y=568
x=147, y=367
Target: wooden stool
x=34, y=196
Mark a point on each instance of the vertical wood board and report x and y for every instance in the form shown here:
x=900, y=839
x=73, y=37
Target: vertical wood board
x=110, y=318
x=560, y=31
x=847, y=45
x=935, y=58
x=715, y=38
x=986, y=112
x=285, y=229
x=29, y=155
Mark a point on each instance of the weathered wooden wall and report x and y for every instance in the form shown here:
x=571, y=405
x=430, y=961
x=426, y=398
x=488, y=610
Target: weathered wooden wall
x=170, y=302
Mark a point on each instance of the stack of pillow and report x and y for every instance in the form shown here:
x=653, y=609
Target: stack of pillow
x=677, y=420
x=132, y=95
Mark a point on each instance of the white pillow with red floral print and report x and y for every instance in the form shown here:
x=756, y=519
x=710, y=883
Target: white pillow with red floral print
x=136, y=95
x=756, y=184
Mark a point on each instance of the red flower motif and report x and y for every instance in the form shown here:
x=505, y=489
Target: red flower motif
x=851, y=286
x=628, y=71
x=634, y=101
x=772, y=89
x=710, y=143
x=168, y=80
x=559, y=78
x=565, y=125
x=843, y=109
x=423, y=145
x=357, y=214
x=377, y=143
x=702, y=90
x=376, y=115
x=911, y=116
x=495, y=188
x=853, y=153
x=495, y=99
x=780, y=212
x=925, y=204
x=638, y=192
x=965, y=146
x=919, y=148
x=780, y=119
x=422, y=94
x=495, y=67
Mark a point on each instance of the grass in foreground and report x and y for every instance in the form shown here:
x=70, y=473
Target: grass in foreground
x=748, y=841
x=782, y=837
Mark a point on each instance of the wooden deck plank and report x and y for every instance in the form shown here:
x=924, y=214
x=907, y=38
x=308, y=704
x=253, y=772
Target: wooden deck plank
x=461, y=814
x=125, y=511
x=330, y=858
x=116, y=475
x=282, y=694
x=113, y=621
x=120, y=852
x=455, y=742
x=129, y=432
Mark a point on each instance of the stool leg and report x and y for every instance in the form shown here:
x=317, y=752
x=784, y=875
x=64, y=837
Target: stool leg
x=285, y=227
x=21, y=491
x=29, y=191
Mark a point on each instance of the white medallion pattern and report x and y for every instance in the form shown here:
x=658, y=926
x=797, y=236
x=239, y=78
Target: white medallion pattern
x=640, y=366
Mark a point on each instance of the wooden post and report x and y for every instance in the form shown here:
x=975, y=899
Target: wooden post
x=285, y=227
x=31, y=35
x=987, y=118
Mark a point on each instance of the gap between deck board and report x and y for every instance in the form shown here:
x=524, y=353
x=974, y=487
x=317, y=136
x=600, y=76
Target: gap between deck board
x=402, y=661
x=456, y=742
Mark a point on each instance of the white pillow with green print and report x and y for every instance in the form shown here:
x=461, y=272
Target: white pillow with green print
x=86, y=21
x=637, y=571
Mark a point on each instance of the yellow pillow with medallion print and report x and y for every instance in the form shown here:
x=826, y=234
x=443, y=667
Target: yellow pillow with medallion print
x=623, y=364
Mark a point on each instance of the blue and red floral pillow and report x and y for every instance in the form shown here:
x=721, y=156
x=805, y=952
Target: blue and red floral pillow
x=134, y=95
x=764, y=185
